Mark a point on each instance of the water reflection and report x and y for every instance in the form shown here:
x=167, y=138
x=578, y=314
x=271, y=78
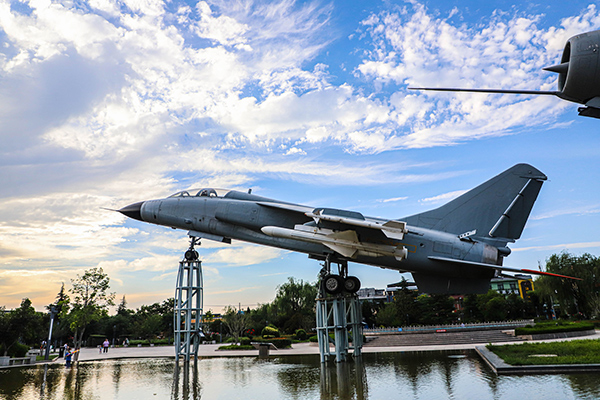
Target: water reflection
x=376, y=376
x=186, y=383
x=344, y=381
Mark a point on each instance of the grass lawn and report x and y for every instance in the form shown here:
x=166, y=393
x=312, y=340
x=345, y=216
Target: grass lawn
x=570, y=352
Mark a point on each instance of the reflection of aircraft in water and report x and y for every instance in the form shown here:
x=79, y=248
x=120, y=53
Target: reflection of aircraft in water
x=456, y=248
x=578, y=75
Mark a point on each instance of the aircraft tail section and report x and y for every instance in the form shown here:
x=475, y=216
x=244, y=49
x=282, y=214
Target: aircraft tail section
x=497, y=209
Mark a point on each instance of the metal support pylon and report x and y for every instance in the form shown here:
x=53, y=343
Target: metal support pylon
x=188, y=305
x=338, y=314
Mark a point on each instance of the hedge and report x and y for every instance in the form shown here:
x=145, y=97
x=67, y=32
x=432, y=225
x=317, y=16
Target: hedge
x=146, y=342
x=554, y=327
x=236, y=347
x=280, y=343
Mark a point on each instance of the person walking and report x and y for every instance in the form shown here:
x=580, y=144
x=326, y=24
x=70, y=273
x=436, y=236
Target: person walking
x=105, y=345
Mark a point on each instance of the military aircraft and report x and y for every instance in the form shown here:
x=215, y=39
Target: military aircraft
x=578, y=75
x=456, y=248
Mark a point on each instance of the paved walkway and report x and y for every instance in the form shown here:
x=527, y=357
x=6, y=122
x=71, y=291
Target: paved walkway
x=211, y=350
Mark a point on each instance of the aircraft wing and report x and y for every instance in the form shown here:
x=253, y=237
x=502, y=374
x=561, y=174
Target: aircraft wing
x=499, y=267
x=285, y=206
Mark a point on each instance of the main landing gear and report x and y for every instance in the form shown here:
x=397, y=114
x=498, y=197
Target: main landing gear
x=191, y=254
x=336, y=283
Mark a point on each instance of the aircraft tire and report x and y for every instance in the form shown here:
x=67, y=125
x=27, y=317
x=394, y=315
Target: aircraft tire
x=191, y=255
x=333, y=284
x=351, y=284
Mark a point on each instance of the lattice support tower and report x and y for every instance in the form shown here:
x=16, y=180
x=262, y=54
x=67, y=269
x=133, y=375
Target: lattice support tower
x=339, y=314
x=188, y=308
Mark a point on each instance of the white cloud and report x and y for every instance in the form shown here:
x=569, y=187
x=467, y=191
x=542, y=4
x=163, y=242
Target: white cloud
x=562, y=246
x=223, y=29
x=113, y=103
x=415, y=48
x=443, y=198
x=582, y=210
x=393, y=199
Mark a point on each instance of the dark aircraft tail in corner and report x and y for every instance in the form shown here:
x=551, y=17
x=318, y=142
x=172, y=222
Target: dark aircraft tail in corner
x=496, y=210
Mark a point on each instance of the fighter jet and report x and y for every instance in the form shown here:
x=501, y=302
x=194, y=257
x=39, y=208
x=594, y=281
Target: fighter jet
x=578, y=75
x=455, y=249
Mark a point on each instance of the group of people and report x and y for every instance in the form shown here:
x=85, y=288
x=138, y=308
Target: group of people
x=69, y=352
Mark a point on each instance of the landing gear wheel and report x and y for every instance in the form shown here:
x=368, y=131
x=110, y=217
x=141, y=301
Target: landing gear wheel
x=333, y=284
x=191, y=255
x=351, y=284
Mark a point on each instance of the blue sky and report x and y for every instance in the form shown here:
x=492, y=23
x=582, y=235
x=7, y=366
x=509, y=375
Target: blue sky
x=106, y=103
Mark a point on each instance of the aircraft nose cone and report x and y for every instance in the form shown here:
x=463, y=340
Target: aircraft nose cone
x=133, y=211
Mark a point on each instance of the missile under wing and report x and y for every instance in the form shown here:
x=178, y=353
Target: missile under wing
x=456, y=248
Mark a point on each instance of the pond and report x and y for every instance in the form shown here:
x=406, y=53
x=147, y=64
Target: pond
x=431, y=375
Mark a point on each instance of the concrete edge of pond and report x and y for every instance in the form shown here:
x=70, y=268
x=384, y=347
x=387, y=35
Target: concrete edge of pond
x=502, y=368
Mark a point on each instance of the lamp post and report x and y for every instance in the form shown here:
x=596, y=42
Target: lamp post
x=53, y=312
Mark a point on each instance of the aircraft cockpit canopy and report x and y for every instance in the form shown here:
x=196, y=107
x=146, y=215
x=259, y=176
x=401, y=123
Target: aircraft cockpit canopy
x=204, y=192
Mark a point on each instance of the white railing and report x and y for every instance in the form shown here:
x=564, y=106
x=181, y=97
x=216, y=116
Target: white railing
x=434, y=328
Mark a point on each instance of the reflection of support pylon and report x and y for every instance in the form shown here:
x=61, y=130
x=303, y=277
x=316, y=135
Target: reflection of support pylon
x=188, y=305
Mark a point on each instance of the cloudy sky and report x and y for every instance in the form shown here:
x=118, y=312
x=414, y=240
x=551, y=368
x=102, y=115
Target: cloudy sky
x=104, y=103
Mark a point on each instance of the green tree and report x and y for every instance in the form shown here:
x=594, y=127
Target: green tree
x=122, y=308
x=22, y=324
x=387, y=316
x=406, y=305
x=91, y=300
x=576, y=297
x=235, y=321
x=492, y=306
x=61, y=305
x=471, y=310
x=495, y=309
x=515, y=307
x=295, y=304
x=435, y=309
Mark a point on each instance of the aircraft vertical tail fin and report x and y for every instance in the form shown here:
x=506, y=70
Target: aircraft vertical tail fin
x=497, y=209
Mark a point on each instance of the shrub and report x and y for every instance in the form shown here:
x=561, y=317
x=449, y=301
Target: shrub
x=245, y=341
x=236, y=347
x=554, y=327
x=16, y=350
x=146, y=342
x=280, y=343
x=301, y=334
x=313, y=339
x=270, y=330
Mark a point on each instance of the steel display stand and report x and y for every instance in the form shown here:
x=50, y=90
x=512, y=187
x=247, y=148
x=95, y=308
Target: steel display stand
x=188, y=305
x=339, y=314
